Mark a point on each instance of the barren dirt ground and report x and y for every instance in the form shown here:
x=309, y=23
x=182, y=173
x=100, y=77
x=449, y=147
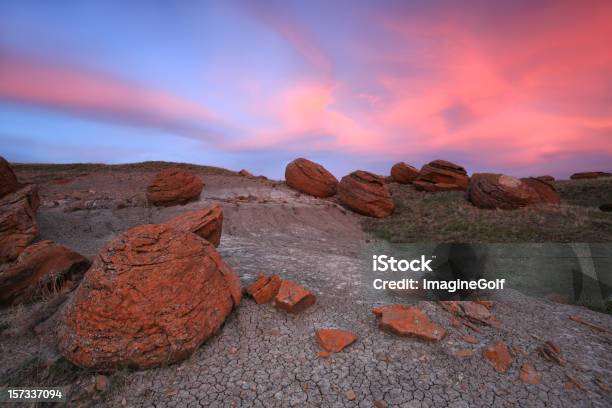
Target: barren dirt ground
x=263, y=357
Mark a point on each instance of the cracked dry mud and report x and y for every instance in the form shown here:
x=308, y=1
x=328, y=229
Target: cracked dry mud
x=263, y=357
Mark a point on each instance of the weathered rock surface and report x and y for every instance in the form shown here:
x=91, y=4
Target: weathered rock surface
x=334, y=340
x=529, y=375
x=366, y=194
x=293, y=298
x=310, y=178
x=548, y=179
x=408, y=321
x=442, y=175
x=590, y=175
x=264, y=289
x=8, y=180
x=152, y=296
x=491, y=191
x=18, y=227
x=173, y=187
x=42, y=268
x=404, y=173
x=545, y=190
x=206, y=223
x=498, y=356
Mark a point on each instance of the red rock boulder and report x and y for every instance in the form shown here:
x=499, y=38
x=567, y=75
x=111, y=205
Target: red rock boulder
x=245, y=173
x=152, y=296
x=18, y=226
x=334, y=340
x=545, y=190
x=548, y=179
x=366, y=194
x=293, y=298
x=404, y=173
x=408, y=321
x=174, y=187
x=310, y=178
x=489, y=190
x=264, y=289
x=206, y=222
x=41, y=269
x=498, y=356
x=590, y=175
x=441, y=175
x=8, y=180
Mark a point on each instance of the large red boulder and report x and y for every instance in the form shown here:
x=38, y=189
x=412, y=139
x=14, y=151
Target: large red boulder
x=489, y=190
x=408, y=321
x=8, y=180
x=174, y=186
x=41, y=269
x=442, y=175
x=152, y=296
x=366, y=194
x=18, y=226
x=310, y=178
x=206, y=222
x=404, y=173
x=545, y=190
x=590, y=175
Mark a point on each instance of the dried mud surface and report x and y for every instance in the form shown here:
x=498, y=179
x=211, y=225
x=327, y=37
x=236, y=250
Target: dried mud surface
x=263, y=357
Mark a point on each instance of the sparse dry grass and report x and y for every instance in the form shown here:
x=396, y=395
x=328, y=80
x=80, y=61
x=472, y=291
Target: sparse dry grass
x=449, y=217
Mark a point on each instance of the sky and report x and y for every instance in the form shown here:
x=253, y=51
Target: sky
x=515, y=87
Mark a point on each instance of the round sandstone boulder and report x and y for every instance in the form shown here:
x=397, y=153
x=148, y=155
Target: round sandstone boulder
x=173, y=187
x=487, y=190
x=404, y=173
x=366, y=194
x=310, y=178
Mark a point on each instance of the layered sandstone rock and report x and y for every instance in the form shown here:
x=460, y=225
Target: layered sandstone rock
x=264, y=289
x=310, y=178
x=498, y=356
x=545, y=190
x=334, y=340
x=293, y=298
x=18, y=227
x=548, y=179
x=366, y=194
x=206, y=222
x=590, y=175
x=41, y=269
x=404, y=173
x=152, y=296
x=408, y=321
x=441, y=175
x=8, y=180
x=490, y=191
x=173, y=187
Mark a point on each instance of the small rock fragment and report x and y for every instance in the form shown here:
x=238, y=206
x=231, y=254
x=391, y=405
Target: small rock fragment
x=264, y=288
x=334, y=340
x=529, y=375
x=464, y=353
x=293, y=298
x=350, y=395
x=470, y=339
x=551, y=352
x=409, y=321
x=101, y=383
x=498, y=356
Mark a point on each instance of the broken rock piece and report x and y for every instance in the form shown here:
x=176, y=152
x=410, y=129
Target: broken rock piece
x=293, y=298
x=529, y=375
x=498, y=356
x=409, y=321
x=334, y=340
x=264, y=288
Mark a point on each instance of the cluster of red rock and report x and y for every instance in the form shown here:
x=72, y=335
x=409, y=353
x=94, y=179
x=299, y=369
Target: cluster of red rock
x=29, y=271
x=287, y=295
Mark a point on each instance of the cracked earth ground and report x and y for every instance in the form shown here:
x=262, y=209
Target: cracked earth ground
x=263, y=357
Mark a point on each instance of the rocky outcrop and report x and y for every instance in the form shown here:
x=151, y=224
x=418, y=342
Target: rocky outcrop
x=490, y=191
x=408, y=321
x=41, y=269
x=174, y=187
x=590, y=175
x=18, y=227
x=206, y=223
x=545, y=190
x=8, y=180
x=404, y=173
x=310, y=178
x=366, y=194
x=264, y=289
x=334, y=340
x=293, y=298
x=152, y=296
x=441, y=175
x=498, y=356
x=548, y=179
